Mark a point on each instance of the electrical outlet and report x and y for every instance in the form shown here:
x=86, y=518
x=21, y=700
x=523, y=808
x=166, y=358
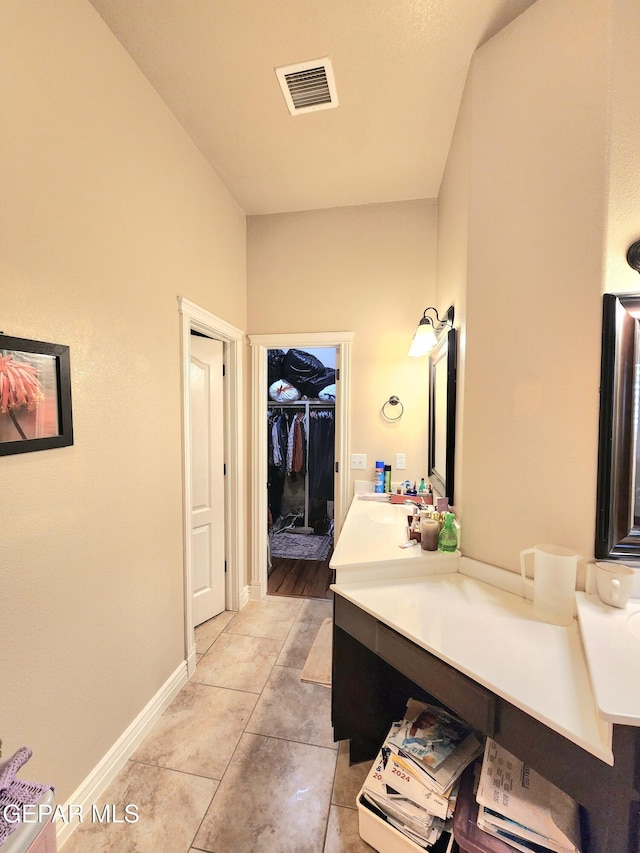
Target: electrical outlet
x=401, y=461
x=358, y=461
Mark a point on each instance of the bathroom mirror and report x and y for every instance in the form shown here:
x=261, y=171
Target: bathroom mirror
x=442, y=415
x=618, y=498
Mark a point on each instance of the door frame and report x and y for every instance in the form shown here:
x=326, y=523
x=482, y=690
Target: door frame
x=260, y=344
x=200, y=320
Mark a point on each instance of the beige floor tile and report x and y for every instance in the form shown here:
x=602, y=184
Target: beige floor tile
x=274, y=798
x=206, y=633
x=298, y=644
x=293, y=709
x=257, y=806
x=315, y=610
x=342, y=832
x=238, y=662
x=349, y=779
x=170, y=808
x=199, y=730
x=272, y=618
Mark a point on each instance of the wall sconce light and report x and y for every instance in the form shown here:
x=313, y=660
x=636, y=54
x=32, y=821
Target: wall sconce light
x=426, y=336
x=633, y=256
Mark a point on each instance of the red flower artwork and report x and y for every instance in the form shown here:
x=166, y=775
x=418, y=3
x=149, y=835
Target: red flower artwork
x=19, y=387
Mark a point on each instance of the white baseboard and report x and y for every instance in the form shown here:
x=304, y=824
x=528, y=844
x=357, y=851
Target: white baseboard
x=110, y=765
x=244, y=597
x=192, y=660
x=255, y=591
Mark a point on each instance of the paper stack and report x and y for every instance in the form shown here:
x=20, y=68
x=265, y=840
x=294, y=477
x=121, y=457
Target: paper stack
x=413, y=781
x=522, y=808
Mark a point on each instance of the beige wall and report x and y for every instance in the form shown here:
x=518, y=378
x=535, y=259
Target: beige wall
x=531, y=161
x=366, y=269
x=108, y=213
x=623, y=214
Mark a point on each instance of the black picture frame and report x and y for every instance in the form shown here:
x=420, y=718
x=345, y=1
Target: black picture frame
x=35, y=395
x=618, y=492
x=442, y=415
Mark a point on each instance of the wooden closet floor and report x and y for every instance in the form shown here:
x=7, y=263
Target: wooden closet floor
x=301, y=578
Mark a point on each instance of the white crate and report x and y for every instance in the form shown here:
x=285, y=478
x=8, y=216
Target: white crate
x=381, y=835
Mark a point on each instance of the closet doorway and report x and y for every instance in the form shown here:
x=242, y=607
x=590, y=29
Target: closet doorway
x=301, y=392
x=299, y=442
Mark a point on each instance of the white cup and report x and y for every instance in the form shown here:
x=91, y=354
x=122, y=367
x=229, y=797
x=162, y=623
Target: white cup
x=614, y=583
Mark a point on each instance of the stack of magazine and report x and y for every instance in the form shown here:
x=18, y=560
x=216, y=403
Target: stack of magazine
x=413, y=781
x=521, y=808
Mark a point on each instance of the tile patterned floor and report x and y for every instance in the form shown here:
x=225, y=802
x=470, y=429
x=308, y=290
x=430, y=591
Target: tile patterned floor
x=243, y=760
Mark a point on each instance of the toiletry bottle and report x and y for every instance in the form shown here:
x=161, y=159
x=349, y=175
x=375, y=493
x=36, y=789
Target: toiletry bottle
x=422, y=488
x=387, y=478
x=448, y=538
x=415, y=527
x=379, y=480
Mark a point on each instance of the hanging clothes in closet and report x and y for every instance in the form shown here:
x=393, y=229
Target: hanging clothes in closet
x=301, y=441
x=277, y=434
x=321, y=463
x=296, y=445
x=287, y=451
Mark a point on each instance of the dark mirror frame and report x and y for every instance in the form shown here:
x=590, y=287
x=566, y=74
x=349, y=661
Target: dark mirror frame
x=60, y=352
x=443, y=480
x=618, y=503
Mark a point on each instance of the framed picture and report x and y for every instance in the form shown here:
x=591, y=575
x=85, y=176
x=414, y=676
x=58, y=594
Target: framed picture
x=35, y=396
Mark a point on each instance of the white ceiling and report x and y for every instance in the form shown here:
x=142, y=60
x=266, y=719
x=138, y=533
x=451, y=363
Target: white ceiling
x=399, y=65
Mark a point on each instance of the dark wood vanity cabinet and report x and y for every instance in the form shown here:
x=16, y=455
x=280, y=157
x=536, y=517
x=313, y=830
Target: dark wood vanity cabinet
x=375, y=671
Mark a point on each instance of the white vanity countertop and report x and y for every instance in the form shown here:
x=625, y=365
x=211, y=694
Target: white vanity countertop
x=369, y=545
x=493, y=637
x=611, y=637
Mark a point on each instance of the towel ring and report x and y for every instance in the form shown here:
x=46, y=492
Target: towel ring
x=393, y=401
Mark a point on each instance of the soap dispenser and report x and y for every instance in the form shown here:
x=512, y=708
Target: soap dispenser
x=448, y=538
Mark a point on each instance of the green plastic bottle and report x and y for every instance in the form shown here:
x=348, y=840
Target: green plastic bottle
x=448, y=537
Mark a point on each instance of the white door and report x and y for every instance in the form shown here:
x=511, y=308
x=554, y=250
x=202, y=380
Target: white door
x=207, y=479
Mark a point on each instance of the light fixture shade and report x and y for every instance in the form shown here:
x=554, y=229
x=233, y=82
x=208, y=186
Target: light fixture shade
x=424, y=339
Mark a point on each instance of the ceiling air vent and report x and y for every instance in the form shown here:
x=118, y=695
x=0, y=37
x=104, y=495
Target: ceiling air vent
x=308, y=86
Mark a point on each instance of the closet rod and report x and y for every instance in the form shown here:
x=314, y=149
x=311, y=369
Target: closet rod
x=300, y=404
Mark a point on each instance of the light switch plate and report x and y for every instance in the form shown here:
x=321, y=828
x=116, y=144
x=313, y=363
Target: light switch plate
x=401, y=461
x=358, y=461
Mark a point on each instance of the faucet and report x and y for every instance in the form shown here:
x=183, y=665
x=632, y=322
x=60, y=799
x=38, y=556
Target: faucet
x=415, y=503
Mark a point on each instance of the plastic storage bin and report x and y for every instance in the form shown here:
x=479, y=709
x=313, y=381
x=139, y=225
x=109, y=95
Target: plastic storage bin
x=469, y=838
x=386, y=838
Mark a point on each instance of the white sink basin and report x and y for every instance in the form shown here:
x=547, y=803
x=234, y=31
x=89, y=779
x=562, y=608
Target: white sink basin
x=388, y=517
